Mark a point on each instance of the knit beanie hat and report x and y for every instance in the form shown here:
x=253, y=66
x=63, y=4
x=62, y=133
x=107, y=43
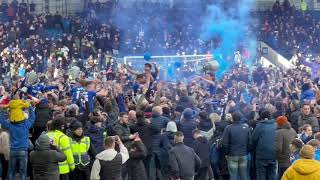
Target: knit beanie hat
x=307, y=152
x=171, y=127
x=75, y=125
x=187, y=114
x=282, y=120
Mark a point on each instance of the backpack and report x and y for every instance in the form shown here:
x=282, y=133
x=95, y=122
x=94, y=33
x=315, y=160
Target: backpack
x=164, y=151
x=215, y=149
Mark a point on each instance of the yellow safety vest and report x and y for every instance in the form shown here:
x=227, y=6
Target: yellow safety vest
x=80, y=151
x=304, y=6
x=63, y=142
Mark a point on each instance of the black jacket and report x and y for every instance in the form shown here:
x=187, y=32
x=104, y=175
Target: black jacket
x=166, y=144
x=202, y=149
x=43, y=114
x=185, y=163
x=159, y=122
x=186, y=128
x=136, y=169
x=236, y=139
x=294, y=119
x=123, y=131
x=146, y=131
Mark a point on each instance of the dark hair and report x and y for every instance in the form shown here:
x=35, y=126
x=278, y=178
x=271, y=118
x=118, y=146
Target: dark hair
x=131, y=107
x=139, y=114
x=166, y=110
x=123, y=114
x=203, y=115
x=57, y=123
x=305, y=104
x=236, y=116
x=179, y=134
x=266, y=114
x=196, y=131
x=148, y=64
x=305, y=126
x=139, y=76
x=109, y=141
x=297, y=143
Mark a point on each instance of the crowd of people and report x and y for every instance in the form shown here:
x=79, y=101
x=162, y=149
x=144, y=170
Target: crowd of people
x=289, y=30
x=60, y=122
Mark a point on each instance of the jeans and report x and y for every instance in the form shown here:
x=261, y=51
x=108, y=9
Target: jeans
x=237, y=166
x=266, y=169
x=281, y=171
x=18, y=164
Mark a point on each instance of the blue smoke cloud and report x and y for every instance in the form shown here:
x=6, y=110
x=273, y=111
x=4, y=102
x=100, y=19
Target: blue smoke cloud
x=230, y=26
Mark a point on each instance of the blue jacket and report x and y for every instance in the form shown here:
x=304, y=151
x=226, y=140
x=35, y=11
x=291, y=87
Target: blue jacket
x=35, y=89
x=295, y=156
x=19, y=132
x=263, y=139
x=317, y=154
x=121, y=103
x=96, y=135
x=308, y=95
x=236, y=139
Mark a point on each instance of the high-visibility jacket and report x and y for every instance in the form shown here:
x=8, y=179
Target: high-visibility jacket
x=80, y=151
x=303, y=6
x=63, y=142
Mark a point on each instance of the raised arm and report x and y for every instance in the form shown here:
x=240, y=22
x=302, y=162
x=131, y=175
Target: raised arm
x=156, y=70
x=31, y=118
x=130, y=70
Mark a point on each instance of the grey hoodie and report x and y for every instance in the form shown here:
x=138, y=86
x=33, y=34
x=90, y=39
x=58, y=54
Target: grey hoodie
x=45, y=159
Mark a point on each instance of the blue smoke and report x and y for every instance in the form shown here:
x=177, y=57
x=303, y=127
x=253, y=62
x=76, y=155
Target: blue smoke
x=230, y=26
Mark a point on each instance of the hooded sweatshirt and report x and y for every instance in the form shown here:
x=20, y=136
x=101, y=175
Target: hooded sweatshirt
x=45, y=160
x=16, y=110
x=283, y=138
x=303, y=169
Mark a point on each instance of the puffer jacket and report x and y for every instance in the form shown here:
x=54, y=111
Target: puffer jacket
x=263, y=139
x=294, y=119
x=186, y=127
x=284, y=136
x=303, y=169
x=16, y=110
x=159, y=122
